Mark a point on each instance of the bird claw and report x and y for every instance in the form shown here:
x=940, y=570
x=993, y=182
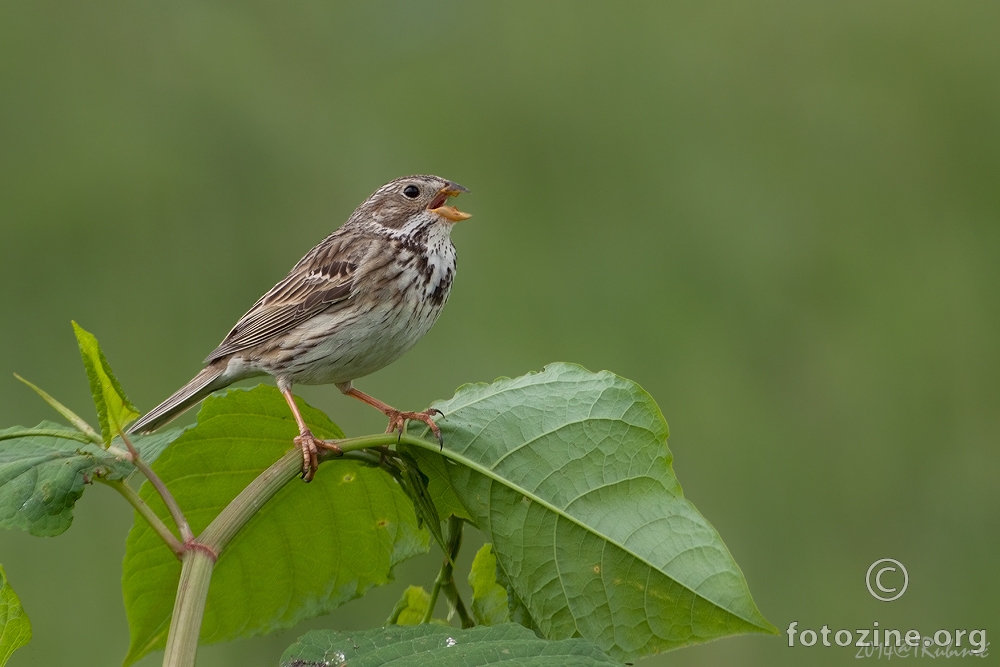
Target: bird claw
x=398, y=419
x=310, y=446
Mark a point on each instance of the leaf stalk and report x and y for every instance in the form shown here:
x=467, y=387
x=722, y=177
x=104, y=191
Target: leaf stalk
x=168, y=498
x=146, y=512
x=76, y=420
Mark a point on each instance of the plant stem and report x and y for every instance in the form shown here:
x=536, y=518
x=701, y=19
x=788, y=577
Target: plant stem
x=144, y=510
x=435, y=592
x=445, y=580
x=241, y=509
x=81, y=425
x=51, y=432
x=189, y=608
x=161, y=488
x=450, y=591
x=197, y=562
x=237, y=513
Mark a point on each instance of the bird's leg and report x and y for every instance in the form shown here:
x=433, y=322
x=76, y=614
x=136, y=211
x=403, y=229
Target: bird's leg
x=306, y=441
x=397, y=418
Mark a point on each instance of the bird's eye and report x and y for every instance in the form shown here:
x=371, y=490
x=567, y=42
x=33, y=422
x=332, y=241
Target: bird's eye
x=411, y=191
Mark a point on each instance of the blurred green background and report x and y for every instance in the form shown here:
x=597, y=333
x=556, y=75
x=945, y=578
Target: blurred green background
x=781, y=218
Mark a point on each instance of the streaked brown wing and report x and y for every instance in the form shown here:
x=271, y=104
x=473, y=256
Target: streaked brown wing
x=322, y=279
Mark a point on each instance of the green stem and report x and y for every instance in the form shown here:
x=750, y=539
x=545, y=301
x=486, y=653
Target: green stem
x=435, y=592
x=445, y=580
x=168, y=498
x=198, y=561
x=450, y=591
x=189, y=608
x=237, y=513
x=51, y=432
x=144, y=510
x=81, y=425
x=231, y=520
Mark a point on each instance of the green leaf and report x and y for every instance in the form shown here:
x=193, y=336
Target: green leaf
x=114, y=410
x=309, y=550
x=411, y=608
x=489, y=599
x=439, y=646
x=569, y=475
x=70, y=416
x=15, y=628
x=43, y=471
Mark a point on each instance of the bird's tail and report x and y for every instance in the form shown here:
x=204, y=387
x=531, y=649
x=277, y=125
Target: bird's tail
x=200, y=386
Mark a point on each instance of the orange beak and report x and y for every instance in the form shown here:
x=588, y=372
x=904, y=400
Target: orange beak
x=448, y=212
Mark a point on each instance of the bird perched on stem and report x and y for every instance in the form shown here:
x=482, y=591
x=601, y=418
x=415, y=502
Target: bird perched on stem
x=354, y=304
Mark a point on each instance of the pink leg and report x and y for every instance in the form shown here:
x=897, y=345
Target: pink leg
x=396, y=417
x=306, y=441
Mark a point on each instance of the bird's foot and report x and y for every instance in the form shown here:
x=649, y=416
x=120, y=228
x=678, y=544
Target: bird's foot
x=310, y=446
x=398, y=419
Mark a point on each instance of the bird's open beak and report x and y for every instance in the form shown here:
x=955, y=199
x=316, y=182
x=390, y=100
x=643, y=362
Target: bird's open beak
x=438, y=206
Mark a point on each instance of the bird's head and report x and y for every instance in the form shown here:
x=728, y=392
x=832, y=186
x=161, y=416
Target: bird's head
x=412, y=200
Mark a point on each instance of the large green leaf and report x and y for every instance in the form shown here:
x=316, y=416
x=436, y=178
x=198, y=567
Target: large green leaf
x=439, y=646
x=310, y=549
x=15, y=628
x=569, y=475
x=114, y=410
x=43, y=471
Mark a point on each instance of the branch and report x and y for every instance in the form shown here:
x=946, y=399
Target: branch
x=445, y=580
x=450, y=591
x=189, y=607
x=168, y=498
x=197, y=562
x=144, y=510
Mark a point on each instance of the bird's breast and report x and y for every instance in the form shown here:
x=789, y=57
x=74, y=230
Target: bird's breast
x=425, y=269
x=402, y=300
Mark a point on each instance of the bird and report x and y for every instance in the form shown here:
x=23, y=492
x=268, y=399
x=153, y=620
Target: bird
x=352, y=305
